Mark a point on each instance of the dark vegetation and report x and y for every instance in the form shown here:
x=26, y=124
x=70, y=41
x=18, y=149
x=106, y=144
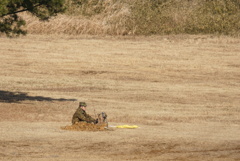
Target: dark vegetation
x=10, y=21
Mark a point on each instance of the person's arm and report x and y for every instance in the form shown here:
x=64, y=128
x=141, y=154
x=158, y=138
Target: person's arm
x=90, y=119
x=83, y=116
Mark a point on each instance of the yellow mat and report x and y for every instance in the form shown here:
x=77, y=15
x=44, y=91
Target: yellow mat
x=127, y=126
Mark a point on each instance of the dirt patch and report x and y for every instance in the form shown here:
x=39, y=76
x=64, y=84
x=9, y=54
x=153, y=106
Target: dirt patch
x=83, y=126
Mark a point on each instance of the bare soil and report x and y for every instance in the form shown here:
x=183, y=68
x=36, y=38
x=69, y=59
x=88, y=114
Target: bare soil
x=182, y=91
x=84, y=126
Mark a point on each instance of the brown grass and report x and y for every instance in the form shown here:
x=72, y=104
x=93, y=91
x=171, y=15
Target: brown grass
x=111, y=21
x=183, y=92
x=142, y=17
x=189, y=77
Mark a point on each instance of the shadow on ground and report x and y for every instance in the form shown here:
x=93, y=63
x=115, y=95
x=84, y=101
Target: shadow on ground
x=17, y=97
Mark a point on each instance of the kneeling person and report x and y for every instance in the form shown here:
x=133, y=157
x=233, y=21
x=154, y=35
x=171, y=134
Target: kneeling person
x=81, y=115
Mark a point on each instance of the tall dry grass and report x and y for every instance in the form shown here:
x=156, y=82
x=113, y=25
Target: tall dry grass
x=84, y=19
x=143, y=17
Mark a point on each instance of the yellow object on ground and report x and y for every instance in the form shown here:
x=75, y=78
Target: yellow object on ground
x=127, y=126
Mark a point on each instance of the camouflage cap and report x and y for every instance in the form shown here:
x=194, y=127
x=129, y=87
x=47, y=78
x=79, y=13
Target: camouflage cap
x=82, y=104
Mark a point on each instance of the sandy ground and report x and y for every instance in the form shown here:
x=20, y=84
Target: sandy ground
x=183, y=93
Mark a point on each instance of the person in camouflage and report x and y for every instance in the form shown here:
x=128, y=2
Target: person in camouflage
x=81, y=115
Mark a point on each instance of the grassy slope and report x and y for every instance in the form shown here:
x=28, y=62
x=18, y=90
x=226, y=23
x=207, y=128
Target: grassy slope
x=193, y=79
x=182, y=91
x=144, y=17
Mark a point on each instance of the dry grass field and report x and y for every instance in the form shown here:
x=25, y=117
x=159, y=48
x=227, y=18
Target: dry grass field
x=182, y=91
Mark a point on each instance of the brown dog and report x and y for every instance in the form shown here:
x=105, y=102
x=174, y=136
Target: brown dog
x=102, y=118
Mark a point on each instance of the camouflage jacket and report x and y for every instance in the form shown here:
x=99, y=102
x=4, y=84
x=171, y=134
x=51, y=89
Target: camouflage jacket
x=81, y=115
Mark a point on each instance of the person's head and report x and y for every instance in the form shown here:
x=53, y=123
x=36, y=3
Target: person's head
x=83, y=105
